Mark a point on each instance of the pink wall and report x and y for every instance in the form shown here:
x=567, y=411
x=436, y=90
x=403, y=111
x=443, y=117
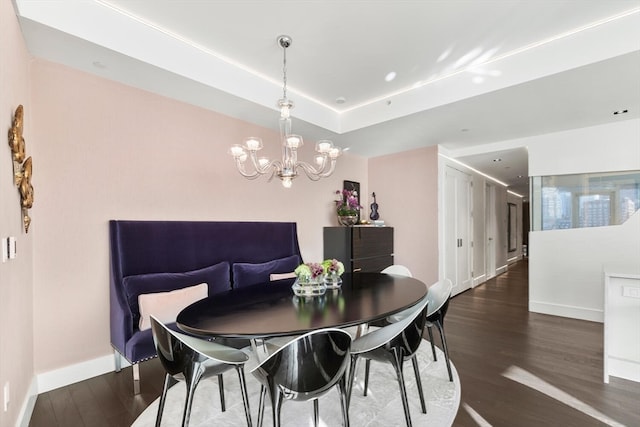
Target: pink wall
x=406, y=187
x=103, y=150
x=108, y=151
x=16, y=282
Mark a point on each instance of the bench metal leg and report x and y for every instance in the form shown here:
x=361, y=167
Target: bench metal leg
x=136, y=378
x=118, y=360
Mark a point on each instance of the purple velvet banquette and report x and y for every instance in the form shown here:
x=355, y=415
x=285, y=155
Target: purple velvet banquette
x=157, y=257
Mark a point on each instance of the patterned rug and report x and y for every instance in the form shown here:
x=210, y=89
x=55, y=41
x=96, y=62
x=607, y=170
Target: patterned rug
x=381, y=407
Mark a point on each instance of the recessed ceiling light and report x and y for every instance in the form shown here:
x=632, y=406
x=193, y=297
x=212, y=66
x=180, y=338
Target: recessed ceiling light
x=341, y=100
x=391, y=76
x=620, y=112
x=464, y=130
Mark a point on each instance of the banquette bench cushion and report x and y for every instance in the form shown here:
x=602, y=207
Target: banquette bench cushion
x=154, y=257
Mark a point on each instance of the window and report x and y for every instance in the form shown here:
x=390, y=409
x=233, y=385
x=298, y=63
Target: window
x=584, y=200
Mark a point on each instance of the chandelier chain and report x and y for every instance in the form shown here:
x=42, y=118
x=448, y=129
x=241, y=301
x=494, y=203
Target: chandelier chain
x=284, y=73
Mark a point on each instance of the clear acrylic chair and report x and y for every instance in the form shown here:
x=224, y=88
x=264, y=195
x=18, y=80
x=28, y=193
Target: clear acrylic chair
x=395, y=343
x=189, y=359
x=305, y=369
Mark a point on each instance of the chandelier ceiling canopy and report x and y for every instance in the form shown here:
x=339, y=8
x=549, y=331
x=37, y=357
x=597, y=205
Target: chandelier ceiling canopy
x=251, y=166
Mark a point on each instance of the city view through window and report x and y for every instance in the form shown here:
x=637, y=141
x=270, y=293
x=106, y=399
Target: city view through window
x=585, y=200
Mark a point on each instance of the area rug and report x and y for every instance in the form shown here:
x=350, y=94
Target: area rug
x=381, y=407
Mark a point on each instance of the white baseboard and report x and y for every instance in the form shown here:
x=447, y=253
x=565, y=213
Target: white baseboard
x=572, y=312
x=501, y=270
x=478, y=280
x=621, y=368
x=75, y=373
x=29, y=402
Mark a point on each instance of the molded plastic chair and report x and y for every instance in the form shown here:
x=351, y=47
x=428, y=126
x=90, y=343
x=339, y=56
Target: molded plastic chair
x=395, y=343
x=190, y=359
x=439, y=296
x=305, y=369
x=398, y=269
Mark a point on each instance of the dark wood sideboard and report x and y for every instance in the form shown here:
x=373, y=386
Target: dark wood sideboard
x=368, y=249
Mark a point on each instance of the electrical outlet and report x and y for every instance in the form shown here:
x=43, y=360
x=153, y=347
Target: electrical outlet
x=7, y=397
x=12, y=247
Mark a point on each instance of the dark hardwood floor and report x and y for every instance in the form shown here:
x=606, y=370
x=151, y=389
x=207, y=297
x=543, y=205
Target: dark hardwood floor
x=489, y=332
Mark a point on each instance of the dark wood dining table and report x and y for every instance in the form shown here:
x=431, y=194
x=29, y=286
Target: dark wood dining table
x=272, y=310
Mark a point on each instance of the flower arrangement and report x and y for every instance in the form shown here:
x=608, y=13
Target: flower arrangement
x=332, y=266
x=347, y=204
x=314, y=270
x=310, y=270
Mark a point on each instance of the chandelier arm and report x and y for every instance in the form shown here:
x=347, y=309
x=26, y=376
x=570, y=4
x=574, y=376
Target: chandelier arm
x=311, y=172
x=332, y=168
x=243, y=172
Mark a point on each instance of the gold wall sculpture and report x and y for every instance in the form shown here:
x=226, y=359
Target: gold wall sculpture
x=22, y=169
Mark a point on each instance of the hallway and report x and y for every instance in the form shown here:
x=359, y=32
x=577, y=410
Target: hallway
x=555, y=364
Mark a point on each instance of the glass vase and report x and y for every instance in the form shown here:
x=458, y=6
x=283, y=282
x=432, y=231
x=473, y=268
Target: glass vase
x=309, y=286
x=332, y=280
x=347, y=220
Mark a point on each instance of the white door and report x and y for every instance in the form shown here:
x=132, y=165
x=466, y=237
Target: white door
x=490, y=227
x=457, y=229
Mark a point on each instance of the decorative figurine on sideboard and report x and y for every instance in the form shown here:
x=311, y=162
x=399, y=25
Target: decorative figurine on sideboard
x=374, y=215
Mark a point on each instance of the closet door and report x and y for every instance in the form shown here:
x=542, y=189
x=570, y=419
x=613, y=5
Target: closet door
x=457, y=229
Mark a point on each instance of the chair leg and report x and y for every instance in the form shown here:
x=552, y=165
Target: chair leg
x=136, y=378
x=168, y=382
x=191, y=383
x=433, y=346
x=440, y=327
x=416, y=371
x=397, y=365
x=316, y=413
x=263, y=392
x=367, y=366
x=223, y=406
x=245, y=395
x=352, y=377
x=343, y=388
x=276, y=406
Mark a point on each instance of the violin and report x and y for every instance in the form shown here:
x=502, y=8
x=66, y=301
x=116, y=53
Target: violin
x=374, y=215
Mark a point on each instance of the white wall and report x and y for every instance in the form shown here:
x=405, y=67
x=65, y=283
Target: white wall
x=565, y=266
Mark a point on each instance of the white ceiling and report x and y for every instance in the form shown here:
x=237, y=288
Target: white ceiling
x=468, y=73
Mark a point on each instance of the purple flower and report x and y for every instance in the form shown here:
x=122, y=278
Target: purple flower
x=347, y=203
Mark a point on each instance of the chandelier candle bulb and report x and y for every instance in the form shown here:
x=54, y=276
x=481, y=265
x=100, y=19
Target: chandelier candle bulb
x=236, y=150
x=294, y=141
x=324, y=146
x=253, y=144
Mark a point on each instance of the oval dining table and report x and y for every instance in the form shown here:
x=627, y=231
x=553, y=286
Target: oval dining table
x=272, y=310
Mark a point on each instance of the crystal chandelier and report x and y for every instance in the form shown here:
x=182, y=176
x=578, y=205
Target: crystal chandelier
x=287, y=168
